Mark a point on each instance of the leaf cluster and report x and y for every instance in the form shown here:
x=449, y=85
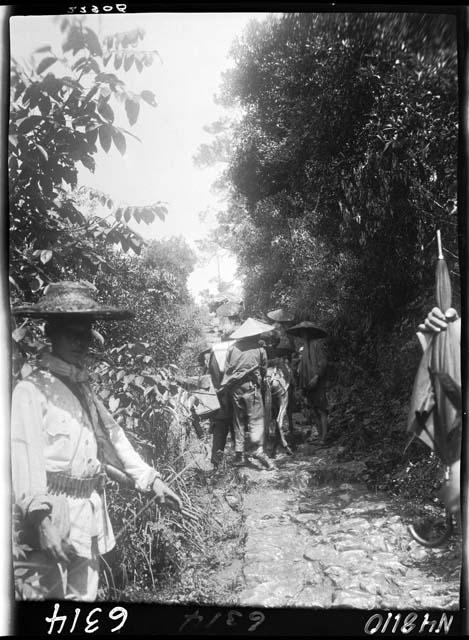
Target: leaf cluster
x=62, y=108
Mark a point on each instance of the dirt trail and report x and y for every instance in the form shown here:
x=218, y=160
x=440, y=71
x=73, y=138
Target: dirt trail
x=310, y=535
x=314, y=537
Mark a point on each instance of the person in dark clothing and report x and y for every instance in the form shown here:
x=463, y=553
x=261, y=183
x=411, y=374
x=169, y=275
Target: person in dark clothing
x=211, y=360
x=245, y=370
x=312, y=373
x=222, y=420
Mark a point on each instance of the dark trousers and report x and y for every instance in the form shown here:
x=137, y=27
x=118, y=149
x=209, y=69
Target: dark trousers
x=248, y=416
x=221, y=428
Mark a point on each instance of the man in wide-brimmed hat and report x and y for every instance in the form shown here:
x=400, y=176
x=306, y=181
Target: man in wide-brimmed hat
x=245, y=370
x=312, y=370
x=63, y=441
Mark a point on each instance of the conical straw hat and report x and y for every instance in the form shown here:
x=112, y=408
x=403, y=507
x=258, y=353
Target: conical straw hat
x=251, y=327
x=280, y=315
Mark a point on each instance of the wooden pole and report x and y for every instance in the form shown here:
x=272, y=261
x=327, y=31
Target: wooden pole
x=440, y=250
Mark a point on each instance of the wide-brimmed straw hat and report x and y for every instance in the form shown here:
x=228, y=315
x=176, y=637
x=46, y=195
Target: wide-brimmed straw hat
x=71, y=299
x=281, y=315
x=307, y=327
x=249, y=328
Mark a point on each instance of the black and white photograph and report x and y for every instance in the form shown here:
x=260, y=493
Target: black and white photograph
x=236, y=288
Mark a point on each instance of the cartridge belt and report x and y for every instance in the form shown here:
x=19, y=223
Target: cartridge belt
x=73, y=486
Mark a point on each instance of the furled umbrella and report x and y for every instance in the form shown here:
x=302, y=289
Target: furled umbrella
x=433, y=415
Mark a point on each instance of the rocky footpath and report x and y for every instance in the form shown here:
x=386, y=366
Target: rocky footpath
x=315, y=537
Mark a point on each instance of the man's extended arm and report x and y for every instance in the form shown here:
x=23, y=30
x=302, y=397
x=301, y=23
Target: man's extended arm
x=146, y=478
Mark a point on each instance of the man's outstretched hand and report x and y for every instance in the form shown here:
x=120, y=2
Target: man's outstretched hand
x=164, y=495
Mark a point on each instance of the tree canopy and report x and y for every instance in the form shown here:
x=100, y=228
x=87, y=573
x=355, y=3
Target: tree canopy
x=344, y=161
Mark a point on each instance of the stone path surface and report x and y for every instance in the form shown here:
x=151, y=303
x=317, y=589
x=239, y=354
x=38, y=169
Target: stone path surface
x=317, y=538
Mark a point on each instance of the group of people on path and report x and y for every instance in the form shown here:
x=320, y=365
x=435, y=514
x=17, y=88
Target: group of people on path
x=236, y=371
x=64, y=442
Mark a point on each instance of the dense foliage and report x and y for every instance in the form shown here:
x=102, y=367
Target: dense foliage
x=154, y=286
x=345, y=156
x=62, y=107
x=340, y=169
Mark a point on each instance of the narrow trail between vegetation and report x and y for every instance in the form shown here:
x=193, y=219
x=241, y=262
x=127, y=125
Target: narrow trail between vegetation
x=315, y=537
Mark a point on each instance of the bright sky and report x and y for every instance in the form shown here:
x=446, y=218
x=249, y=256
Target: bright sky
x=194, y=50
